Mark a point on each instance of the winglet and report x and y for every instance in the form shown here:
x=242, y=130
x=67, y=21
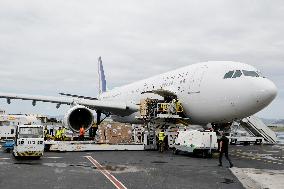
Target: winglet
x=102, y=78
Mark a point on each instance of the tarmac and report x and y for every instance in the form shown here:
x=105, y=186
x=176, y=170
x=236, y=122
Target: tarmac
x=142, y=169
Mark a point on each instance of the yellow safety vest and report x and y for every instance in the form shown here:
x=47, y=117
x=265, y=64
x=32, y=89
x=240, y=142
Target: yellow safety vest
x=63, y=131
x=58, y=133
x=161, y=136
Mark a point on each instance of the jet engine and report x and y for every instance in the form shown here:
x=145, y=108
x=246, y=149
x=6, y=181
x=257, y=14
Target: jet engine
x=77, y=117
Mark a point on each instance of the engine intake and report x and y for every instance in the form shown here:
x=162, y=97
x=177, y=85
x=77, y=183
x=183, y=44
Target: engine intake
x=79, y=116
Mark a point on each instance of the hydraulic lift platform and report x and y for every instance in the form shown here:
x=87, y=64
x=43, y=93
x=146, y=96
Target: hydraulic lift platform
x=80, y=146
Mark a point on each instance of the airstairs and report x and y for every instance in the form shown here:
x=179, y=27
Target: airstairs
x=256, y=127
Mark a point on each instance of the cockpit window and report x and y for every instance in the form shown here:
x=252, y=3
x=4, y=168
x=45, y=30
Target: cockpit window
x=238, y=73
x=229, y=74
x=250, y=73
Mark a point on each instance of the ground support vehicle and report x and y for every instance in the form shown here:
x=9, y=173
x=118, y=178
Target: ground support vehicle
x=8, y=145
x=196, y=142
x=245, y=139
x=29, y=141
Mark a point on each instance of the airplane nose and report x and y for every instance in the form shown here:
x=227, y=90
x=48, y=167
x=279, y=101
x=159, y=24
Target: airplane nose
x=267, y=92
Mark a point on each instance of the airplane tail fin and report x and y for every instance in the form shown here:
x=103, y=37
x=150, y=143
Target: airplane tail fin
x=102, y=78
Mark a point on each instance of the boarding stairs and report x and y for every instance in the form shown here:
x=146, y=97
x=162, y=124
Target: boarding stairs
x=256, y=127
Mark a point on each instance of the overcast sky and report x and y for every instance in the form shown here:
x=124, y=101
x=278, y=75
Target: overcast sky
x=48, y=47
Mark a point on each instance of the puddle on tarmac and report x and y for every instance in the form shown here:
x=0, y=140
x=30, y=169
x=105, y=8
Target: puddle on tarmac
x=64, y=165
x=79, y=165
x=111, y=168
x=122, y=169
x=59, y=165
x=114, y=168
x=161, y=162
x=27, y=163
x=228, y=181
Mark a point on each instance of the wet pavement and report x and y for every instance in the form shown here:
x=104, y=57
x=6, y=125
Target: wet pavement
x=133, y=169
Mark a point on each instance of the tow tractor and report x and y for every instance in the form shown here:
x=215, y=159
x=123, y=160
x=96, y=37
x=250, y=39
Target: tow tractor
x=29, y=141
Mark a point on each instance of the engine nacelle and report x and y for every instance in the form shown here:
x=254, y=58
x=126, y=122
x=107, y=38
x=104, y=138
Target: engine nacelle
x=79, y=116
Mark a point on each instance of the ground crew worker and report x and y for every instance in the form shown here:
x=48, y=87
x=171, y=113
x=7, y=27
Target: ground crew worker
x=63, y=131
x=51, y=130
x=58, y=134
x=93, y=131
x=46, y=133
x=224, y=148
x=161, y=141
x=81, y=133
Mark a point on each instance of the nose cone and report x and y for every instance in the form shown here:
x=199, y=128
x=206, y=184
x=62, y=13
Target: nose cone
x=266, y=93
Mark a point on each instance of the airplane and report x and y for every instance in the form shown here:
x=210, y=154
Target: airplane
x=210, y=92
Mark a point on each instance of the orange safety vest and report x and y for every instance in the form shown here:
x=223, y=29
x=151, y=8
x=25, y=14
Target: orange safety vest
x=82, y=131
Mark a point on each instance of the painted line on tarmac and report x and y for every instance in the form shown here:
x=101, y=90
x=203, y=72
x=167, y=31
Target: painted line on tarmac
x=107, y=174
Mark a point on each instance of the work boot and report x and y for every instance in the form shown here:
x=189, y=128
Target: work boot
x=220, y=165
x=231, y=165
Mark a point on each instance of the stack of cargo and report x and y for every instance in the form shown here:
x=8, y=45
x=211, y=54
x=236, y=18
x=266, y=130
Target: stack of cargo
x=115, y=133
x=144, y=107
x=147, y=107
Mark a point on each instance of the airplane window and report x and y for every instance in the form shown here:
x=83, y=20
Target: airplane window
x=238, y=73
x=229, y=74
x=250, y=73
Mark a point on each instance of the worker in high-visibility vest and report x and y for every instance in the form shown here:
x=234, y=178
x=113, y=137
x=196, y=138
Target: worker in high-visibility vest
x=161, y=137
x=82, y=133
x=58, y=134
x=63, y=131
x=46, y=133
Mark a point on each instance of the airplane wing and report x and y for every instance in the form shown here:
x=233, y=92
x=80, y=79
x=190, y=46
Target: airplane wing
x=107, y=106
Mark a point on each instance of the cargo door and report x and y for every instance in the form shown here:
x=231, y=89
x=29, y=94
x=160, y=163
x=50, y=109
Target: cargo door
x=196, y=80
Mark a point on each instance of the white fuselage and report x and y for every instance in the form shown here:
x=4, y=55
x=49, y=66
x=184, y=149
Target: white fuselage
x=205, y=94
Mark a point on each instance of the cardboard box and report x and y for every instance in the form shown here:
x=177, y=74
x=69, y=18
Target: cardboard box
x=115, y=133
